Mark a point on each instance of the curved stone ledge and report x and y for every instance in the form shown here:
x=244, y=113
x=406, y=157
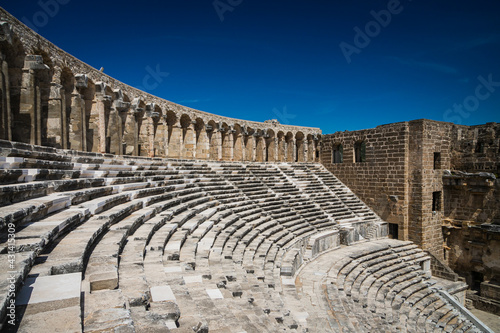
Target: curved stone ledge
x=59, y=101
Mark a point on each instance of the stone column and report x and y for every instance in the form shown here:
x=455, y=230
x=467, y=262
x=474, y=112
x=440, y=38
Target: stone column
x=152, y=117
x=115, y=131
x=165, y=135
x=243, y=147
x=204, y=144
x=102, y=102
x=5, y=114
x=314, y=144
x=231, y=144
x=5, y=110
x=285, y=153
x=56, y=117
x=294, y=151
x=254, y=148
x=77, y=132
x=182, y=150
x=77, y=137
x=30, y=102
x=151, y=135
x=193, y=133
x=219, y=145
x=115, y=124
x=305, y=145
x=189, y=142
x=276, y=150
x=101, y=112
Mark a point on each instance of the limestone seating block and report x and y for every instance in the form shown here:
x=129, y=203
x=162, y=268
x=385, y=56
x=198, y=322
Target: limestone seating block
x=117, y=213
x=12, y=277
x=102, y=267
x=106, y=310
x=31, y=152
x=48, y=293
x=35, y=235
x=72, y=251
x=133, y=284
x=99, y=205
x=33, y=163
x=162, y=294
x=203, y=229
x=160, y=237
x=82, y=195
x=33, y=209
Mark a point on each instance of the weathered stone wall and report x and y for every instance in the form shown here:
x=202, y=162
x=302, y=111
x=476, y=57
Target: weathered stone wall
x=401, y=177
x=49, y=97
x=428, y=139
x=476, y=148
x=474, y=252
x=381, y=180
x=405, y=178
x=471, y=198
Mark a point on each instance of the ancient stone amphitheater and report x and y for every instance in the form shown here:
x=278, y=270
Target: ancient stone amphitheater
x=123, y=212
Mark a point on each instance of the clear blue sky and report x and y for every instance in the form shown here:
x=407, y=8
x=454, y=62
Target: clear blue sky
x=286, y=59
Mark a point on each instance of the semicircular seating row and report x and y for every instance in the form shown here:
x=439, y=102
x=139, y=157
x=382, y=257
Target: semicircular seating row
x=129, y=244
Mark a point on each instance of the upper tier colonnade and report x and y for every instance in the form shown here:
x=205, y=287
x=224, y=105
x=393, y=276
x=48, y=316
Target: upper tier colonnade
x=50, y=98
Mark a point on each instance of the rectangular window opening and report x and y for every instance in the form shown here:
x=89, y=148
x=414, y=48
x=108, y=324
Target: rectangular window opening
x=360, y=152
x=480, y=147
x=437, y=161
x=337, y=154
x=436, y=201
x=393, y=230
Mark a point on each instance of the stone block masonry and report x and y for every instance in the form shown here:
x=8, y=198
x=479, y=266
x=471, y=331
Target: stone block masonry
x=397, y=169
x=50, y=98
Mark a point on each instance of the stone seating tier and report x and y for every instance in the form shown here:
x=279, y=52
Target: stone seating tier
x=171, y=244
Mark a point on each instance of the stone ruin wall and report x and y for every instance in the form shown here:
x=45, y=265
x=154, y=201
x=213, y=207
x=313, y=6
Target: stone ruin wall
x=400, y=174
x=427, y=138
x=50, y=98
x=381, y=180
x=472, y=209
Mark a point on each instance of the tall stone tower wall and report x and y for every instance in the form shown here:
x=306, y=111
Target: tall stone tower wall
x=399, y=170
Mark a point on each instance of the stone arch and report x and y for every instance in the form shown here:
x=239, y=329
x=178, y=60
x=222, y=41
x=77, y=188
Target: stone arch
x=290, y=147
x=299, y=147
x=172, y=137
x=238, y=143
x=271, y=146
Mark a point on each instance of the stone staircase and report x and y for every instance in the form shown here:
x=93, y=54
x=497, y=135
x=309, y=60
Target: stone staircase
x=131, y=244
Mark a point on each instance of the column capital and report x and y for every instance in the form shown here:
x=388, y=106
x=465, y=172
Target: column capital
x=34, y=62
x=5, y=32
x=81, y=80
